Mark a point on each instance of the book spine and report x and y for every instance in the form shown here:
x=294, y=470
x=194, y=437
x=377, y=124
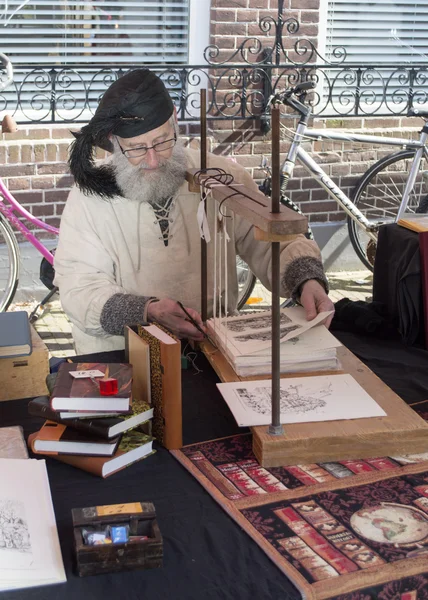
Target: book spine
x=171, y=395
x=30, y=441
x=91, y=464
x=84, y=425
x=37, y=409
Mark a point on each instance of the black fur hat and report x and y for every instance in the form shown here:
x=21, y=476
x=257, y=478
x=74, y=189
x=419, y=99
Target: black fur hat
x=136, y=103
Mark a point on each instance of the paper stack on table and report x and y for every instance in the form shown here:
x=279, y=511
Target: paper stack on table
x=30, y=554
x=245, y=340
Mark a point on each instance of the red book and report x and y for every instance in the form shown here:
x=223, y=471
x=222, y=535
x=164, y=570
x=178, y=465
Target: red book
x=71, y=393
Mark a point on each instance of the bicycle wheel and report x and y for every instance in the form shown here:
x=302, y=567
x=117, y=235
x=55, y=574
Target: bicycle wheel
x=378, y=196
x=246, y=281
x=9, y=264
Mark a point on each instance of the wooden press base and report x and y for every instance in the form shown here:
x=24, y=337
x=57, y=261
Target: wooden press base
x=402, y=431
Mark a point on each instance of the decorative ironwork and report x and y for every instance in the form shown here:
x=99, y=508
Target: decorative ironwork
x=238, y=88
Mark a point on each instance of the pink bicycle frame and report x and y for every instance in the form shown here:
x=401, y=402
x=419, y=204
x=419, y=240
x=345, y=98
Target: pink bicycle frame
x=9, y=213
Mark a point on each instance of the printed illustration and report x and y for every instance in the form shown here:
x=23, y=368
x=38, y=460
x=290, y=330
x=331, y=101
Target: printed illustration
x=293, y=399
x=258, y=322
x=389, y=523
x=263, y=336
x=15, y=543
x=302, y=400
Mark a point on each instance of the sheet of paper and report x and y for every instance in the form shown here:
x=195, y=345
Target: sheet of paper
x=252, y=333
x=86, y=374
x=309, y=343
x=303, y=400
x=30, y=554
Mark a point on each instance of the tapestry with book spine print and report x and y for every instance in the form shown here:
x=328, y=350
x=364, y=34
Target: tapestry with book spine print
x=348, y=530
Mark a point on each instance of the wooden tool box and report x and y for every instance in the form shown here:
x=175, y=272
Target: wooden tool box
x=128, y=556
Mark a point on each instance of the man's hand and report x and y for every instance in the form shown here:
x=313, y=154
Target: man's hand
x=314, y=300
x=168, y=313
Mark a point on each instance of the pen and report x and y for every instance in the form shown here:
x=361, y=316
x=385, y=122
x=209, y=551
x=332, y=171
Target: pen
x=191, y=319
x=195, y=324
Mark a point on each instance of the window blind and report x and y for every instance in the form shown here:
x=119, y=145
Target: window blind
x=379, y=32
x=43, y=32
x=373, y=34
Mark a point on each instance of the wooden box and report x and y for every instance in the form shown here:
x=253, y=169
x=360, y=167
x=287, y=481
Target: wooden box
x=129, y=556
x=25, y=376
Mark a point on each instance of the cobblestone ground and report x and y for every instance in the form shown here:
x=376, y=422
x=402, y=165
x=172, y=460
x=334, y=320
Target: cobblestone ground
x=55, y=329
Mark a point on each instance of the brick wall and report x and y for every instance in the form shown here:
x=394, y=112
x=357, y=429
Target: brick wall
x=33, y=160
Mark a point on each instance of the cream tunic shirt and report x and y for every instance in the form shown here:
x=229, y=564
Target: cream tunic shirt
x=116, y=246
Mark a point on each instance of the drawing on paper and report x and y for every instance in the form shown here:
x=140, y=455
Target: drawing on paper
x=14, y=533
x=259, y=322
x=292, y=400
x=265, y=335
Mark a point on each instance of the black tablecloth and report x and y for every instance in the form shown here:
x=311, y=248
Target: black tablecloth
x=206, y=555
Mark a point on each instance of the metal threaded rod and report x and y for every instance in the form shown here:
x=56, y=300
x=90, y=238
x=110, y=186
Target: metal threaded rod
x=204, y=260
x=275, y=428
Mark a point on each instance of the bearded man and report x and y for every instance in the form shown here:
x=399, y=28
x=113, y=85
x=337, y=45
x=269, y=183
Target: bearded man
x=129, y=244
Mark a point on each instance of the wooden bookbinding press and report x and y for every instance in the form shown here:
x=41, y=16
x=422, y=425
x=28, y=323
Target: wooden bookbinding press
x=141, y=549
x=402, y=431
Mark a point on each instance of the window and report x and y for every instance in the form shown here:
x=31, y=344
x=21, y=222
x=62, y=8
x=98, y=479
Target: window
x=66, y=54
x=98, y=32
x=379, y=32
x=385, y=39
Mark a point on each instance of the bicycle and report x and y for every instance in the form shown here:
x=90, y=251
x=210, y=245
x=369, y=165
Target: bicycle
x=9, y=247
x=394, y=184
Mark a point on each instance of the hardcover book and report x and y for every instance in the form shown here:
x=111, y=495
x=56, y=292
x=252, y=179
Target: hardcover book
x=80, y=393
x=56, y=438
x=104, y=427
x=134, y=445
x=15, y=334
x=165, y=378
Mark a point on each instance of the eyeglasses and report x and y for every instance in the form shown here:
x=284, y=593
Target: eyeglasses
x=142, y=151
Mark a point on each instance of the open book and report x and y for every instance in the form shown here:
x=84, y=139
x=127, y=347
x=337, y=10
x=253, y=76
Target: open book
x=246, y=341
x=30, y=554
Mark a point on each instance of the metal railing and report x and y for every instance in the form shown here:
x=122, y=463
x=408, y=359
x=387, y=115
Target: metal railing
x=238, y=88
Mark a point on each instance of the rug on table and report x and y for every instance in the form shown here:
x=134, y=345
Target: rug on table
x=349, y=530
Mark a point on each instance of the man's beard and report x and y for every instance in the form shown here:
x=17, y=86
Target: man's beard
x=150, y=185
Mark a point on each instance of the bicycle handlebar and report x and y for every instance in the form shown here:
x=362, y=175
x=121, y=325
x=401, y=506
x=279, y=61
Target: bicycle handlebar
x=295, y=97
x=6, y=63
x=297, y=90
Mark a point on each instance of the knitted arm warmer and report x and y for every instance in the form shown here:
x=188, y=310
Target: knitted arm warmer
x=301, y=270
x=124, y=309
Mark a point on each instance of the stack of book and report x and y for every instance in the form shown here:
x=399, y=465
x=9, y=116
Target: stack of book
x=84, y=428
x=246, y=342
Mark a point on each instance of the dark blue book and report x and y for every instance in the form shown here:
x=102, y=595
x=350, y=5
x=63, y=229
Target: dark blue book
x=15, y=334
